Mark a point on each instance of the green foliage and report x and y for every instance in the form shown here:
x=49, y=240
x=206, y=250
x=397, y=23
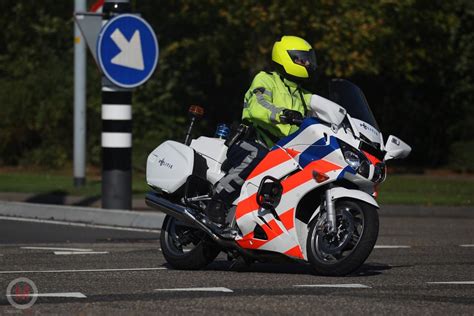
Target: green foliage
x=462, y=156
x=412, y=58
x=35, y=82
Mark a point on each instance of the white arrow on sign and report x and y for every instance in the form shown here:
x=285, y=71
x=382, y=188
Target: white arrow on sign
x=130, y=55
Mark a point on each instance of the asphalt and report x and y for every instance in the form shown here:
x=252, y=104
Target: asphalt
x=125, y=273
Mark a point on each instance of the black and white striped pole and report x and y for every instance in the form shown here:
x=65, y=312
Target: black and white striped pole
x=116, y=132
x=116, y=148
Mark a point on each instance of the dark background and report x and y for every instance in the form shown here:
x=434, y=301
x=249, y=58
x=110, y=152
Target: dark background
x=414, y=59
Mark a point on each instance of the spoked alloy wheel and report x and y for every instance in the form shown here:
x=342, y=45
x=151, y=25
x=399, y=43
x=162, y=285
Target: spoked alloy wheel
x=346, y=249
x=185, y=247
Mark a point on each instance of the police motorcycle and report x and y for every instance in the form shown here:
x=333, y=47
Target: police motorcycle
x=311, y=199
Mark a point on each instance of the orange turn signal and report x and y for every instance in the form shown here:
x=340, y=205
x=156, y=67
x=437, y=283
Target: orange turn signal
x=376, y=192
x=319, y=176
x=196, y=110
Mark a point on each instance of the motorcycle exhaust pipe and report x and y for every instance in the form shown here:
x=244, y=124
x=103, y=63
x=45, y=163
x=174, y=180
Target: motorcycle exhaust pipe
x=167, y=207
x=183, y=214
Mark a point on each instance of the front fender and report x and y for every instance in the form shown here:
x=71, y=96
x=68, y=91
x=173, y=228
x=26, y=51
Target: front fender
x=340, y=192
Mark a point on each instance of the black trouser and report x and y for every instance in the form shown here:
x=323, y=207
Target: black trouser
x=242, y=158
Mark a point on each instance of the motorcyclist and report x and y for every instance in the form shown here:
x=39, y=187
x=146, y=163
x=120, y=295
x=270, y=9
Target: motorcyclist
x=273, y=104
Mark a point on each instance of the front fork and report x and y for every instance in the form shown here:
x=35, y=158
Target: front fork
x=331, y=210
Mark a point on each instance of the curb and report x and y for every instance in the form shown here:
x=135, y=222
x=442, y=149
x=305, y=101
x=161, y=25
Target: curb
x=87, y=215
x=68, y=200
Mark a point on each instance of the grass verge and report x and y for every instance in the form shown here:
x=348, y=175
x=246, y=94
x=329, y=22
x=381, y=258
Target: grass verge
x=397, y=189
x=428, y=190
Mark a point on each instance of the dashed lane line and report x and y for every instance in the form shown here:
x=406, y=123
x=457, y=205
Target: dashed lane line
x=46, y=221
x=467, y=245
x=391, y=247
x=351, y=285
x=57, y=249
x=59, y=253
x=60, y=295
x=454, y=282
x=82, y=270
x=197, y=289
x=68, y=251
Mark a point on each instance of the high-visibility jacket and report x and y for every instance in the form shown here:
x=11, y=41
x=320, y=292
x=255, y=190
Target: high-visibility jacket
x=268, y=95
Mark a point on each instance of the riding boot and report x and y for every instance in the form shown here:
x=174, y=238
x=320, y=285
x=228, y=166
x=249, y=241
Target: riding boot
x=216, y=212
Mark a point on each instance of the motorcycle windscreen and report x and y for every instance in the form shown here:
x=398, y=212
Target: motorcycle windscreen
x=351, y=97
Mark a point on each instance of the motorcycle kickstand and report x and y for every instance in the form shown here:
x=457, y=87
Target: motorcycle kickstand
x=239, y=262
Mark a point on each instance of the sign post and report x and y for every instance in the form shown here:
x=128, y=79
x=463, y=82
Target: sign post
x=126, y=51
x=79, y=101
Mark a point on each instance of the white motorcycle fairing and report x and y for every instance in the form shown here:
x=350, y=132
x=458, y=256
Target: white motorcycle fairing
x=294, y=160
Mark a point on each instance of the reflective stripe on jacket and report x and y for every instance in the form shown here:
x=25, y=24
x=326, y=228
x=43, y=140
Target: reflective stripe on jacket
x=268, y=95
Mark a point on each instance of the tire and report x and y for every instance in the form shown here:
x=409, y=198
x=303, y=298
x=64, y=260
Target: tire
x=345, y=252
x=202, y=251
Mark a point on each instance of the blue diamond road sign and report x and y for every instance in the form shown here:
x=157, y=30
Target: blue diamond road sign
x=127, y=50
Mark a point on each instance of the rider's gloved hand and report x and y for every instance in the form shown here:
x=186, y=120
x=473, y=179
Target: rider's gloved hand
x=291, y=117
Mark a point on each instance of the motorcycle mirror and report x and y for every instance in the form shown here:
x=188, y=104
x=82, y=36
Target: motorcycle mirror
x=396, y=148
x=326, y=110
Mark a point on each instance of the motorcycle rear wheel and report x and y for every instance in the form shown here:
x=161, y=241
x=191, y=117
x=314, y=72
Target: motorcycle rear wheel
x=185, y=247
x=345, y=251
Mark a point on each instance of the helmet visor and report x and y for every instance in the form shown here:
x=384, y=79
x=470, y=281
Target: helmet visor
x=303, y=58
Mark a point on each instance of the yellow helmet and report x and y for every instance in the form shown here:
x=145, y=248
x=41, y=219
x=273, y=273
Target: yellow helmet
x=294, y=58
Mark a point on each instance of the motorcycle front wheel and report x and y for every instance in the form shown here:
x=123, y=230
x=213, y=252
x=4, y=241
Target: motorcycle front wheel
x=345, y=250
x=185, y=247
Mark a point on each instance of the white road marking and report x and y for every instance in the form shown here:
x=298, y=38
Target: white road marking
x=198, y=289
x=390, y=246
x=467, y=245
x=80, y=252
x=84, y=270
x=56, y=248
x=67, y=294
x=351, y=286
x=453, y=282
x=45, y=221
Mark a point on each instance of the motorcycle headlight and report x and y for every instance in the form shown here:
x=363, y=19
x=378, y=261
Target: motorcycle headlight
x=355, y=159
x=379, y=172
x=352, y=159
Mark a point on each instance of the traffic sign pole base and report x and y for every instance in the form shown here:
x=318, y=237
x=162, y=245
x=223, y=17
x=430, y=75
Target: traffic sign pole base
x=79, y=182
x=117, y=189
